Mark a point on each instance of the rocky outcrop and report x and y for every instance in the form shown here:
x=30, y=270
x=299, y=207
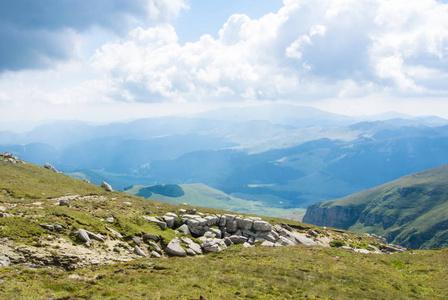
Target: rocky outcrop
x=106, y=186
x=322, y=214
x=50, y=167
x=174, y=248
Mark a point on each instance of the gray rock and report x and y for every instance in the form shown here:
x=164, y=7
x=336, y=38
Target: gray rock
x=117, y=249
x=231, y=226
x=190, y=252
x=191, y=211
x=136, y=240
x=269, y=237
x=170, y=221
x=117, y=234
x=346, y=248
x=95, y=236
x=110, y=219
x=285, y=242
x=161, y=224
x=217, y=232
x=210, y=246
x=49, y=227
x=155, y=254
x=85, y=180
x=237, y=239
x=150, y=236
x=58, y=228
x=139, y=251
x=50, y=167
x=228, y=241
x=182, y=211
x=247, y=245
x=4, y=261
x=184, y=228
x=195, y=247
x=222, y=221
x=175, y=249
x=106, y=186
x=64, y=203
x=261, y=226
x=155, y=246
x=364, y=251
x=170, y=214
x=212, y=220
x=83, y=236
x=267, y=244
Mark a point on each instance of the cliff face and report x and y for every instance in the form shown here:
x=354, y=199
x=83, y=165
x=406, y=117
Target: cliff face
x=335, y=216
x=411, y=211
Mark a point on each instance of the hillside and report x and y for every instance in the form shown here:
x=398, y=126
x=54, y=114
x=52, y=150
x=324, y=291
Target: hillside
x=199, y=194
x=411, y=211
x=44, y=215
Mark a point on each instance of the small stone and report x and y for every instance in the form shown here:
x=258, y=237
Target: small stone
x=155, y=246
x=150, y=236
x=64, y=203
x=110, y=219
x=155, y=254
x=184, y=229
x=117, y=249
x=139, y=251
x=49, y=227
x=136, y=240
x=190, y=252
x=267, y=244
x=83, y=236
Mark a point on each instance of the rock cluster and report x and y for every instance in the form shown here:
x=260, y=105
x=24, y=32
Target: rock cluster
x=50, y=167
x=217, y=232
x=9, y=157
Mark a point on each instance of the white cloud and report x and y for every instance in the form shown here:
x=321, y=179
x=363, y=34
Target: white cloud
x=307, y=50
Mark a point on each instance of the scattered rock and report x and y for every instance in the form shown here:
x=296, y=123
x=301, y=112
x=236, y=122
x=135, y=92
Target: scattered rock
x=150, y=236
x=155, y=254
x=4, y=261
x=184, y=228
x=136, y=240
x=267, y=244
x=50, y=167
x=49, y=227
x=155, y=246
x=161, y=224
x=139, y=251
x=210, y=245
x=174, y=248
x=64, y=203
x=117, y=249
x=110, y=219
x=83, y=236
x=190, y=252
x=106, y=186
x=117, y=234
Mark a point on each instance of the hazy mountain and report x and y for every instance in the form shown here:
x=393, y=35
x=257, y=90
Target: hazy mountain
x=411, y=211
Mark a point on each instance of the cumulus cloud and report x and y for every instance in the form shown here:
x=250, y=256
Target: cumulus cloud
x=35, y=34
x=308, y=49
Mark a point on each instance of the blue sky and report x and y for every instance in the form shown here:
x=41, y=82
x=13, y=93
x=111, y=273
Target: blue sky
x=106, y=60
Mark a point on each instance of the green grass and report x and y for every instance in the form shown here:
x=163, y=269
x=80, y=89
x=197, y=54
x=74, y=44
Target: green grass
x=204, y=196
x=238, y=273
x=298, y=272
x=411, y=211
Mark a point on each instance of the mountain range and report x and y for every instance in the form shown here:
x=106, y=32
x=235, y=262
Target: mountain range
x=281, y=155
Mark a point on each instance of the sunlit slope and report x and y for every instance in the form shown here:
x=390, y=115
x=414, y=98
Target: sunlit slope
x=411, y=211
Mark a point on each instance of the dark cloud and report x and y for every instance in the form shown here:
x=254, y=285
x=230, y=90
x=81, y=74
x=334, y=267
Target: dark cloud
x=34, y=34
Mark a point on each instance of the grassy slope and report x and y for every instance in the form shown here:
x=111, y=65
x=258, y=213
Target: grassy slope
x=238, y=273
x=254, y=273
x=417, y=203
x=204, y=196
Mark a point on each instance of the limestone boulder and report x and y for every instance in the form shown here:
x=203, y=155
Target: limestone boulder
x=174, y=248
x=139, y=251
x=261, y=226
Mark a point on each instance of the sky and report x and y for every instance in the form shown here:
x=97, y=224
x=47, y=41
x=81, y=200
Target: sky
x=108, y=60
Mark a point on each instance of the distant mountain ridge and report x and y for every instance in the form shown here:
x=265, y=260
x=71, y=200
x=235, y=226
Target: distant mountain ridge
x=411, y=211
